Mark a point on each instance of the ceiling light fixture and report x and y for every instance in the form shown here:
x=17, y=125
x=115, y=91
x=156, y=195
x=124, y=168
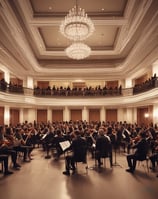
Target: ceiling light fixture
x=78, y=51
x=77, y=26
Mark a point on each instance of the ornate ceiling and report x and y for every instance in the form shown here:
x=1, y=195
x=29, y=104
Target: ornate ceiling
x=125, y=41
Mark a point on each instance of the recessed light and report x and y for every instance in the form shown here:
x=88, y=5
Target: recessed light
x=50, y=7
x=102, y=9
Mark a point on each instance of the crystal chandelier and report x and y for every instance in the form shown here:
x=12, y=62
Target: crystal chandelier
x=78, y=51
x=77, y=26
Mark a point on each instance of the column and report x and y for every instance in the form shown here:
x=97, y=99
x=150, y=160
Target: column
x=102, y=114
x=128, y=83
x=85, y=115
x=49, y=115
x=30, y=82
x=21, y=119
x=66, y=114
x=134, y=115
x=6, y=115
x=155, y=68
x=7, y=76
x=121, y=83
x=121, y=114
x=155, y=114
x=129, y=115
x=32, y=115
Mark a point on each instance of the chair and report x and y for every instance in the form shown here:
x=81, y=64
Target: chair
x=104, y=152
x=82, y=157
x=144, y=163
x=2, y=164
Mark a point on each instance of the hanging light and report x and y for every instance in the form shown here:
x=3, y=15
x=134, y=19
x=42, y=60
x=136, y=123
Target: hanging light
x=78, y=51
x=77, y=26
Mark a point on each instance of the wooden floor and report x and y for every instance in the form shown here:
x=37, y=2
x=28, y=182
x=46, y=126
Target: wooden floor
x=43, y=179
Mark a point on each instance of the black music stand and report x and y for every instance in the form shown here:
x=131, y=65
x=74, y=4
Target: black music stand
x=115, y=151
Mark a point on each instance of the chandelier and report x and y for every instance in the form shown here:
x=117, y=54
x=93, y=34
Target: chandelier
x=77, y=26
x=78, y=51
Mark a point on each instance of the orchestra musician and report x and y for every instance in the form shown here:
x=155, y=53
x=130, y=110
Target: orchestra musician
x=103, y=147
x=24, y=137
x=17, y=142
x=79, y=151
x=91, y=141
x=154, y=157
x=7, y=149
x=141, y=149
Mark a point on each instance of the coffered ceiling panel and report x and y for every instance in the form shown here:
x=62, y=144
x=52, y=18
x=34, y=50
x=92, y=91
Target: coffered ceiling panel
x=104, y=6
x=103, y=38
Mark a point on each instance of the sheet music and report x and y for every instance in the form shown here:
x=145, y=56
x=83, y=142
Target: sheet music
x=65, y=145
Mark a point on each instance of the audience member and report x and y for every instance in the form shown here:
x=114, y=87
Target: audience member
x=6, y=148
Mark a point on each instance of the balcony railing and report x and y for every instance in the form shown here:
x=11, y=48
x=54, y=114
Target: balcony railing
x=76, y=92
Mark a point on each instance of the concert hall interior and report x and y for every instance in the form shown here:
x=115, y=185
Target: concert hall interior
x=78, y=99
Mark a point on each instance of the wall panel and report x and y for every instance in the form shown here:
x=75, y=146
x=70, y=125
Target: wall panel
x=144, y=115
x=1, y=115
x=14, y=116
x=76, y=114
x=57, y=115
x=94, y=115
x=111, y=115
x=42, y=116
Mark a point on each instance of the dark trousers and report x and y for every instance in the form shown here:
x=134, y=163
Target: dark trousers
x=10, y=151
x=154, y=159
x=98, y=157
x=22, y=149
x=4, y=158
x=132, y=161
x=69, y=163
x=26, y=150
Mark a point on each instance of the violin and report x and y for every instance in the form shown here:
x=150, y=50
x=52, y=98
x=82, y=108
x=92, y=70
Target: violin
x=136, y=139
x=9, y=141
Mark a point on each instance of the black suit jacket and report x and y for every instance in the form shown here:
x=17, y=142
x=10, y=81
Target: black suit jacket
x=79, y=149
x=142, y=148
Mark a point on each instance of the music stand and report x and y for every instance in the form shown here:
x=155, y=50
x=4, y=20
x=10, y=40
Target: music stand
x=47, y=150
x=115, y=163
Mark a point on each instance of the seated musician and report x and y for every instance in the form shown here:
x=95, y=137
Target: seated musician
x=16, y=142
x=7, y=149
x=90, y=142
x=154, y=156
x=56, y=142
x=47, y=140
x=140, y=153
x=103, y=147
x=79, y=151
x=25, y=144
